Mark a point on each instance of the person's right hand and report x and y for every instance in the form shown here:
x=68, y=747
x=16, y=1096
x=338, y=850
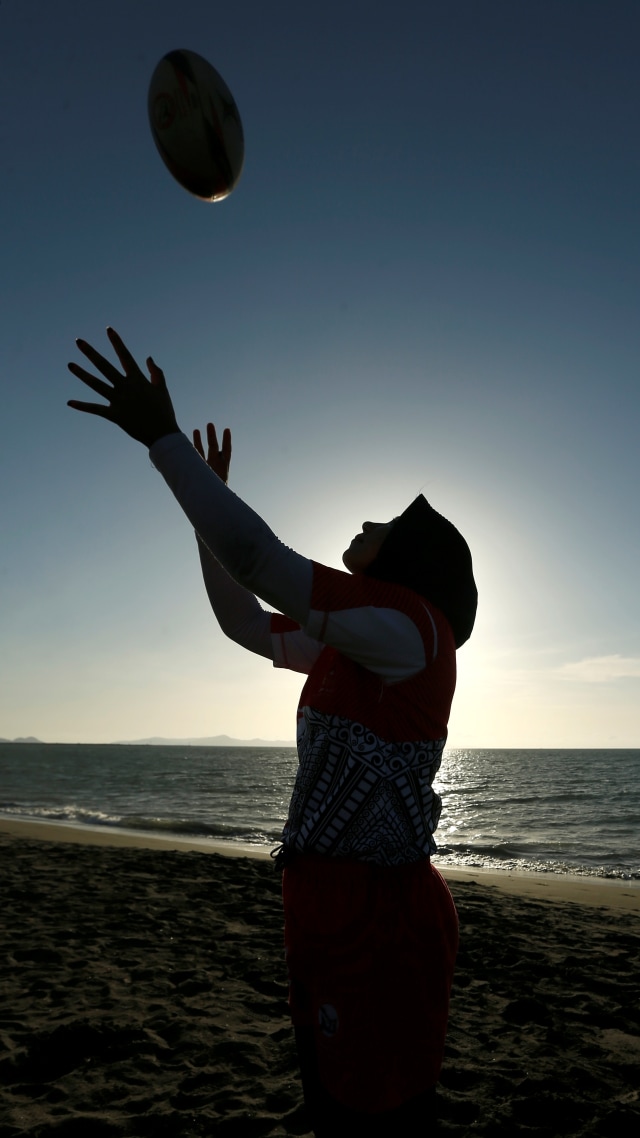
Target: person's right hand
x=219, y=459
x=140, y=406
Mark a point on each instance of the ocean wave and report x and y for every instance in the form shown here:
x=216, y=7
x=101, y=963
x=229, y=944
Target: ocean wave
x=503, y=857
x=161, y=827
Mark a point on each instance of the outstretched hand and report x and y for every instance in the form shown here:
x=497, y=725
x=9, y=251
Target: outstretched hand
x=217, y=458
x=142, y=407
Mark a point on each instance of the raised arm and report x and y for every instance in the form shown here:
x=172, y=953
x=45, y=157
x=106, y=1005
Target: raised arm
x=234, y=533
x=236, y=536
x=237, y=611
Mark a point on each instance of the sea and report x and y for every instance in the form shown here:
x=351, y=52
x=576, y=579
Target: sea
x=552, y=811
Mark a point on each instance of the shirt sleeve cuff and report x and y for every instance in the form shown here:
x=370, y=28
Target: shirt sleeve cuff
x=166, y=444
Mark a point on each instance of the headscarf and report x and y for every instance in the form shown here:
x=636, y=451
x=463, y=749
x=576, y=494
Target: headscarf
x=426, y=553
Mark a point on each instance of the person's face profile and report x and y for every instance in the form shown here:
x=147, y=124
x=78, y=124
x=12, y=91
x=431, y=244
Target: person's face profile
x=365, y=546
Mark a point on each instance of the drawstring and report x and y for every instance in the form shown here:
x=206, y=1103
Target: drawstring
x=281, y=856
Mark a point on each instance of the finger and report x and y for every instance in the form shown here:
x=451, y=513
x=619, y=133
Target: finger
x=157, y=374
x=91, y=408
x=123, y=353
x=92, y=381
x=226, y=445
x=212, y=438
x=108, y=370
x=197, y=442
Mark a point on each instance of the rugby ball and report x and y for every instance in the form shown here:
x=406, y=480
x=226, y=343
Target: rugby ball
x=196, y=125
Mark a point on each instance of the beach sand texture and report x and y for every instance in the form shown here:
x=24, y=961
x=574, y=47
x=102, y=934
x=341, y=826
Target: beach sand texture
x=144, y=994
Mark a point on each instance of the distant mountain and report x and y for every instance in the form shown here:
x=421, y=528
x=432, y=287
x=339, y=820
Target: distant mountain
x=207, y=741
x=22, y=739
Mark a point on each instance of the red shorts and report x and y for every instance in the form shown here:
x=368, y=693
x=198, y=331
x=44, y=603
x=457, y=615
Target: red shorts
x=370, y=954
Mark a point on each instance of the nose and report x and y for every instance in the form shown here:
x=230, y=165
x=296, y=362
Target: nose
x=368, y=526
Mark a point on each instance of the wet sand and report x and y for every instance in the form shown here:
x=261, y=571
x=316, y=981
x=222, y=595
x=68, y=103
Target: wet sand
x=143, y=993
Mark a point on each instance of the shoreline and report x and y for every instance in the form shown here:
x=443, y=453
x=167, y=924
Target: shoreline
x=599, y=892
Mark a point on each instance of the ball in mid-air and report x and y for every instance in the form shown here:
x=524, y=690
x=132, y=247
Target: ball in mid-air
x=196, y=125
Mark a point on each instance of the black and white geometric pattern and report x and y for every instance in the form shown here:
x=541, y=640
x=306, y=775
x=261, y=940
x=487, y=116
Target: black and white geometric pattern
x=357, y=796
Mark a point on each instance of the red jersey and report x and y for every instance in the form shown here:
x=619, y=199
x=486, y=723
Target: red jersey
x=369, y=745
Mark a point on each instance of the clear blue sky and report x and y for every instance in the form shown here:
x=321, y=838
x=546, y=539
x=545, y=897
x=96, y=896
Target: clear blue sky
x=427, y=279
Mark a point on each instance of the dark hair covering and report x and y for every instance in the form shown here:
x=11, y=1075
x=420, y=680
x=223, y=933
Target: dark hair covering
x=426, y=553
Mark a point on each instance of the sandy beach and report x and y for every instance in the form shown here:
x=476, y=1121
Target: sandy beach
x=144, y=994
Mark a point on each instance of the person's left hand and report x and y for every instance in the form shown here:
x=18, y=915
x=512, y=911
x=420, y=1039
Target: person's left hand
x=142, y=407
x=218, y=458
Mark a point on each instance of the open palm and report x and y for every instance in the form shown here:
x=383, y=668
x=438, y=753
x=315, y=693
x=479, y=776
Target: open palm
x=218, y=458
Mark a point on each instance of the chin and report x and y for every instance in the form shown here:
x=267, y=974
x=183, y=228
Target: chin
x=353, y=566
x=351, y=561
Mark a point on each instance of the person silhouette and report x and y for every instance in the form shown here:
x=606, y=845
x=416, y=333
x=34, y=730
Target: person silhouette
x=371, y=930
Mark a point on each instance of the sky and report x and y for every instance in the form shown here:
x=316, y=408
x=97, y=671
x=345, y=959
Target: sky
x=427, y=280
